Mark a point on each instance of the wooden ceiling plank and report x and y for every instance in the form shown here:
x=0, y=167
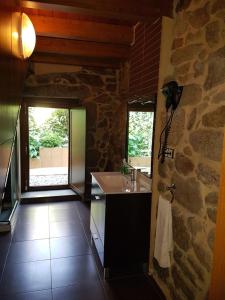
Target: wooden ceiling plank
x=75, y=60
x=81, y=48
x=144, y=10
x=82, y=30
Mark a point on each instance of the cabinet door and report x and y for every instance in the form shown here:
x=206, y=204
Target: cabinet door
x=98, y=215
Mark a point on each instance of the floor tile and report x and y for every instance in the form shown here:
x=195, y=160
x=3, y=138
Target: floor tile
x=62, y=205
x=73, y=270
x=26, y=277
x=4, y=247
x=74, y=274
x=5, y=237
x=62, y=215
x=26, y=232
x=29, y=251
x=33, y=218
x=69, y=246
x=32, y=215
x=59, y=229
x=40, y=209
x=39, y=295
x=81, y=291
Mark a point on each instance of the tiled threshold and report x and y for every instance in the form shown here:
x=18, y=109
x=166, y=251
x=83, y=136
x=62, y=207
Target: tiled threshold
x=49, y=196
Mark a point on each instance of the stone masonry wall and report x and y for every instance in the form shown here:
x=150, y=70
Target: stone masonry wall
x=98, y=91
x=198, y=58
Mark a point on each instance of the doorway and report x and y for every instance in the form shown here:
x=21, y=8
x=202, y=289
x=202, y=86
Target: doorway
x=48, y=146
x=53, y=150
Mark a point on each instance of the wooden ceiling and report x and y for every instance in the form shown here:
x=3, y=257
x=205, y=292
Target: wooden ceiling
x=88, y=32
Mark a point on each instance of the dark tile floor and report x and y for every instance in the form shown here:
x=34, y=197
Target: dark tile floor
x=49, y=255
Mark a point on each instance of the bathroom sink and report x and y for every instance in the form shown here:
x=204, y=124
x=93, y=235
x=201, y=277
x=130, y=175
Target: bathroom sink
x=115, y=180
x=117, y=183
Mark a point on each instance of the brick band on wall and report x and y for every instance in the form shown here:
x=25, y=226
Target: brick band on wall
x=144, y=61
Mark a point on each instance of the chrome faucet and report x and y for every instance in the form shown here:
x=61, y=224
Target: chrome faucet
x=133, y=174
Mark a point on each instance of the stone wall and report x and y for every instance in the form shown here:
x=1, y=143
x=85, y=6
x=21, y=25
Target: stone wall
x=198, y=60
x=98, y=90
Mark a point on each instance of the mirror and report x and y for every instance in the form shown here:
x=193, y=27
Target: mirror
x=140, y=128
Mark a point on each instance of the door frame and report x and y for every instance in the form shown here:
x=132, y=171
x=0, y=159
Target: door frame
x=24, y=134
x=217, y=288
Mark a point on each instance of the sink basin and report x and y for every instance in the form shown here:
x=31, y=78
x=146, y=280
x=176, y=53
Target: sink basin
x=117, y=180
x=116, y=183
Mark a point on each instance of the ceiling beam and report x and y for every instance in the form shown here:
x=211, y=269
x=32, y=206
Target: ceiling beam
x=81, y=48
x=82, y=30
x=75, y=60
x=142, y=10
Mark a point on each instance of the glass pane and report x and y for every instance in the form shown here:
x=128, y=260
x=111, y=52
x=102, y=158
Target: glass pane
x=140, y=134
x=48, y=146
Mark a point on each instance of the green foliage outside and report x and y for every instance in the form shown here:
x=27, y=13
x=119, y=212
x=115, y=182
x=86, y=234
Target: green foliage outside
x=58, y=124
x=52, y=133
x=140, y=133
x=51, y=140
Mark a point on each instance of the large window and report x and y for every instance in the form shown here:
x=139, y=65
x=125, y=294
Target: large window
x=140, y=139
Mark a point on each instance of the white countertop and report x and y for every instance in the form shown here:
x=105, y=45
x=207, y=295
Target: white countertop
x=117, y=183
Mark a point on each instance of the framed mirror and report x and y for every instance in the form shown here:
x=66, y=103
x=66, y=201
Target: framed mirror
x=140, y=133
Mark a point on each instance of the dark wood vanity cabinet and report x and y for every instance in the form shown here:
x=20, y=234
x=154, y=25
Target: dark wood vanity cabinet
x=120, y=227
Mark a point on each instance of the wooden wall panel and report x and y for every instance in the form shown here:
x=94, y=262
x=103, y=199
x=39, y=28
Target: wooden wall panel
x=12, y=70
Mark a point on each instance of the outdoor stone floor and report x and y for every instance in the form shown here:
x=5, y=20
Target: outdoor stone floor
x=48, y=176
x=43, y=180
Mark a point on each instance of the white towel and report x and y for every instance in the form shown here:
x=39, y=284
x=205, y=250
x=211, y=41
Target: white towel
x=164, y=233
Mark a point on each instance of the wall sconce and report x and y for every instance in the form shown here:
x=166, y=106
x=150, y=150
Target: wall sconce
x=27, y=36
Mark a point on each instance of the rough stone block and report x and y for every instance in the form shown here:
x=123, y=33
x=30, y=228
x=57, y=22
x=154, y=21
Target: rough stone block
x=187, y=151
x=219, y=97
x=215, y=118
x=177, y=43
x=195, y=226
x=180, y=282
x=177, y=128
x=199, y=17
x=212, y=213
x=216, y=69
x=184, y=54
x=203, y=255
x=207, y=175
x=192, y=94
x=183, y=164
x=207, y=143
x=212, y=198
x=196, y=267
x=180, y=260
x=211, y=238
x=188, y=193
x=213, y=33
x=192, y=119
x=218, y=5
x=180, y=231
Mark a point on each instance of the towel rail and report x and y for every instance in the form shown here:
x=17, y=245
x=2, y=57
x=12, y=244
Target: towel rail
x=171, y=188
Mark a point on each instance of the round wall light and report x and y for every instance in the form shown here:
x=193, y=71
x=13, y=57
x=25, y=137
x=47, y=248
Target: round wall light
x=27, y=36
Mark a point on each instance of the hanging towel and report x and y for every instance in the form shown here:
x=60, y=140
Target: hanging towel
x=164, y=234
